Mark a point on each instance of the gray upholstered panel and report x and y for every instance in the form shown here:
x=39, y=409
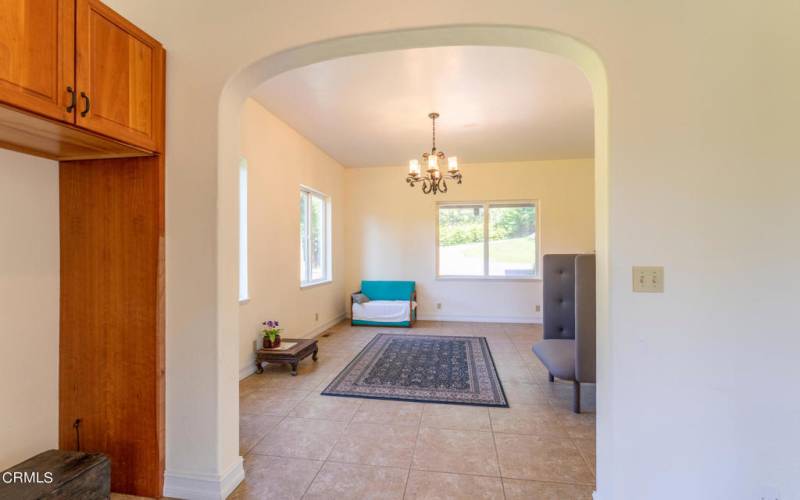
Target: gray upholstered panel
x=585, y=333
x=558, y=356
x=558, y=274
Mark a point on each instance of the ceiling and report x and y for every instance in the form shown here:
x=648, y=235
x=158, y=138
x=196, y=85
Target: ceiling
x=496, y=104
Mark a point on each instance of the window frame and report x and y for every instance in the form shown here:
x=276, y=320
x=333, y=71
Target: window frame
x=327, y=258
x=486, y=205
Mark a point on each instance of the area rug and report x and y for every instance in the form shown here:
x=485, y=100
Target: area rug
x=422, y=368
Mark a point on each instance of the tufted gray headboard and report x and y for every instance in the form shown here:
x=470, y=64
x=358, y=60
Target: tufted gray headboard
x=558, y=273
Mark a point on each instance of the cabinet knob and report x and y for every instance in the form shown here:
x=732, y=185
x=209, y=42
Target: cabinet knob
x=88, y=103
x=73, y=99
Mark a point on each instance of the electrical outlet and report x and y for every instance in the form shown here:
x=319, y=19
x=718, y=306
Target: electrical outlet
x=538, y=308
x=316, y=316
x=438, y=305
x=648, y=279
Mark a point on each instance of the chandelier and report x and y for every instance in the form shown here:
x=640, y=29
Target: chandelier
x=433, y=181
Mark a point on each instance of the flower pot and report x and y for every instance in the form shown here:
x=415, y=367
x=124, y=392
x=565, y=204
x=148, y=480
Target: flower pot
x=277, y=341
x=267, y=342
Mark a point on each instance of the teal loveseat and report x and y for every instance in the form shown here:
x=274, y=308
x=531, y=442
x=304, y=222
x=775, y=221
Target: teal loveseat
x=391, y=303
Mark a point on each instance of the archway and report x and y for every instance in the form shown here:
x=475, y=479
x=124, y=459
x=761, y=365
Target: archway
x=240, y=86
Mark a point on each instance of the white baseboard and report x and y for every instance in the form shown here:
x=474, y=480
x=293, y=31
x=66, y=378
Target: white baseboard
x=204, y=486
x=250, y=368
x=319, y=330
x=482, y=319
x=247, y=370
x=595, y=495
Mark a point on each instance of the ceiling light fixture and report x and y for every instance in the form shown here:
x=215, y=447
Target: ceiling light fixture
x=433, y=181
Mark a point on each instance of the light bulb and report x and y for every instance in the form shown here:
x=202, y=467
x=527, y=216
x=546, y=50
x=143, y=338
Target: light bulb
x=432, y=163
x=452, y=164
x=413, y=167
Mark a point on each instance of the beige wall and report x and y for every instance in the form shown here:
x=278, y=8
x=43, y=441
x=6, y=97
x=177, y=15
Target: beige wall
x=279, y=161
x=698, y=128
x=391, y=232
x=29, y=277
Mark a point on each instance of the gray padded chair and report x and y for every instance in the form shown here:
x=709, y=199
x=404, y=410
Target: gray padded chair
x=568, y=348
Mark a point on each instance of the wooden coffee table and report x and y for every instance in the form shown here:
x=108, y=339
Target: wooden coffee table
x=292, y=356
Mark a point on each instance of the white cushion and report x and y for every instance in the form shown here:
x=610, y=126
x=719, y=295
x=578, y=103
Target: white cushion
x=384, y=311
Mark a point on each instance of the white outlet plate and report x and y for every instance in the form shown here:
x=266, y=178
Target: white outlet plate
x=648, y=279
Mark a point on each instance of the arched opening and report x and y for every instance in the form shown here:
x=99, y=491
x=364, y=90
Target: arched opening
x=241, y=86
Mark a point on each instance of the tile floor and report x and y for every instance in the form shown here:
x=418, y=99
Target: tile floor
x=299, y=444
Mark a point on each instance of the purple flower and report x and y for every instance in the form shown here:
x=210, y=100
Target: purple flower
x=277, y=324
x=270, y=324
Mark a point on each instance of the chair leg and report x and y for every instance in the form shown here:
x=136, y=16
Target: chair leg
x=550, y=377
x=576, y=405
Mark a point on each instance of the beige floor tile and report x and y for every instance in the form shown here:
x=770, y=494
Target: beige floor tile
x=278, y=402
x=577, y=425
x=506, y=358
x=301, y=438
x=376, y=444
x=562, y=394
x=467, y=452
x=517, y=393
x=275, y=478
x=587, y=449
x=535, y=490
x=537, y=420
x=326, y=408
x=516, y=373
x=541, y=459
x=252, y=428
x=363, y=482
x=456, y=417
x=374, y=411
x=447, y=486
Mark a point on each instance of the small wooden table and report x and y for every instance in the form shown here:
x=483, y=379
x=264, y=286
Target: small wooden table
x=292, y=356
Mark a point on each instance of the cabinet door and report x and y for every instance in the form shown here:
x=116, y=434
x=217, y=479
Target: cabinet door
x=37, y=56
x=120, y=77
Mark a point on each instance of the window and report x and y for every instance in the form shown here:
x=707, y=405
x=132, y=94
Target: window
x=315, y=254
x=488, y=240
x=244, y=293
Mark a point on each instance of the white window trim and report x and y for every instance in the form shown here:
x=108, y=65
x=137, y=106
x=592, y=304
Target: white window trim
x=486, y=205
x=244, y=287
x=327, y=271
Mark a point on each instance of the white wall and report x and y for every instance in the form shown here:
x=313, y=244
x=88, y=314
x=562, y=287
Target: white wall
x=391, y=232
x=279, y=161
x=700, y=117
x=29, y=278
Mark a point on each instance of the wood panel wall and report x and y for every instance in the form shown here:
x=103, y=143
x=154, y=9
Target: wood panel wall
x=111, y=371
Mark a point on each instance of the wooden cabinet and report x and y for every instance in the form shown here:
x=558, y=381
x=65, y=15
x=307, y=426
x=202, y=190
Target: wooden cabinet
x=37, y=56
x=83, y=65
x=111, y=177
x=120, y=73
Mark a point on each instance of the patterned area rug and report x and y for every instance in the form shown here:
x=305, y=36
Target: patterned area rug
x=428, y=369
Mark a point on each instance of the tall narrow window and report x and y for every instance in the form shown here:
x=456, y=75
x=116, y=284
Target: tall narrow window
x=314, y=237
x=487, y=240
x=244, y=293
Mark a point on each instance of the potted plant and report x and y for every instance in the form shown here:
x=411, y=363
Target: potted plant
x=271, y=331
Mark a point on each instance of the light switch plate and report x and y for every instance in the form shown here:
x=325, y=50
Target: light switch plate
x=648, y=279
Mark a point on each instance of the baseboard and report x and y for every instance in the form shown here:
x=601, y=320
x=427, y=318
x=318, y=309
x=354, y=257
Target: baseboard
x=595, y=495
x=204, y=486
x=250, y=368
x=316, y=332
x=482, y=319
x=247, y=370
